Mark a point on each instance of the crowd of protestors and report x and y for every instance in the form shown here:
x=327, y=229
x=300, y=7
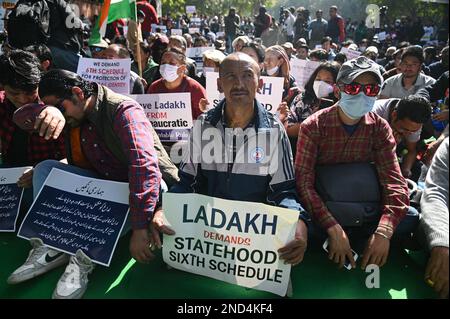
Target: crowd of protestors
x=387, y=108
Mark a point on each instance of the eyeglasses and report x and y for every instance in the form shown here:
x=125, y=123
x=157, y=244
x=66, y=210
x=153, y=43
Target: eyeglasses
x=355, y=88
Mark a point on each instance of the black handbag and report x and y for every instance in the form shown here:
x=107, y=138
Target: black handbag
x=351, y=192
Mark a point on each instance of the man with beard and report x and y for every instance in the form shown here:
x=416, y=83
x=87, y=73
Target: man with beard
x=108, y=136
x=411, y=79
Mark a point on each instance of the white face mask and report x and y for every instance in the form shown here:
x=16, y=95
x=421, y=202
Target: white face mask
x=208, y=69
x=272, y=71
x=168, y=72
x=322, y=89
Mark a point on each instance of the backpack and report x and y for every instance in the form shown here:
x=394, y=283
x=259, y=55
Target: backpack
x=28, y=23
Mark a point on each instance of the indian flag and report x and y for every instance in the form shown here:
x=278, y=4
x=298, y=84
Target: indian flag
x=112, y=10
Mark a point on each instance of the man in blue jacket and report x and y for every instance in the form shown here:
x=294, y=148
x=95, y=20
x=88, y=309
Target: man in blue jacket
x=239, y=151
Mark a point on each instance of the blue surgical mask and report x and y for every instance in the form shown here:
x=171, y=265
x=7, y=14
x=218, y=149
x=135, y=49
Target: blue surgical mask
x=356, y=106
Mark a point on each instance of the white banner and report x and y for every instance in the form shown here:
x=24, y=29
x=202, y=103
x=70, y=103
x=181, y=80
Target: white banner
x=350, y=54
x=163, y=28
x=176, y=32
x=270, y=96
x=196, y=54
x=10, y=197
x=74, y=212
x=302, y=70
x=190, y=9
x=169, y=113
x=114, y=74
x=232, y=241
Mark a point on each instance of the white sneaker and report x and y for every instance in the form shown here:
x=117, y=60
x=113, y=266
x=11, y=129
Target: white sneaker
x=73, y=283
x=40, y=260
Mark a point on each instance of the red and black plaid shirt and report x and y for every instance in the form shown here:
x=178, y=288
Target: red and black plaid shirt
x=39, y=149
x=323, y=140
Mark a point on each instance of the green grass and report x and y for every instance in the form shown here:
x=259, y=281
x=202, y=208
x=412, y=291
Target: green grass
x=316, y=277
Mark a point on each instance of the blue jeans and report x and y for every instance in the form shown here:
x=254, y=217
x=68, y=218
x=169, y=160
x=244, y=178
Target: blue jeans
x=358, y=236
x=229, y=41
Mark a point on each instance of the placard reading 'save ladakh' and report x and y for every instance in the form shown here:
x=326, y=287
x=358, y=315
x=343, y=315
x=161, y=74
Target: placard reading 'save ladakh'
x=232, y=241
x=74, y=212
x=10, y=197
x=114, y=74
x=169, y=113
x=270, y=96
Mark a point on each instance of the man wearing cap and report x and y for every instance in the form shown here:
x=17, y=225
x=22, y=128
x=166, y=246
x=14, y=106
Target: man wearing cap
x=289, y=48
x=411, y=78
x=372, y=53
x=348, y=132
x=220, y=45
x=318, y=28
